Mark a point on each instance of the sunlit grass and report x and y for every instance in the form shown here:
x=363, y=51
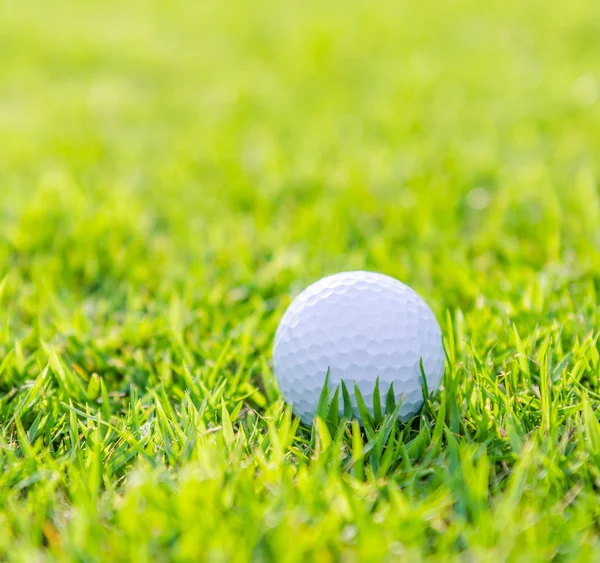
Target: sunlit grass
x=173, y=174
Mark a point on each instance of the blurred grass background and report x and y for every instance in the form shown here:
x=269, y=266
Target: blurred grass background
x=266, y=139
x=171, y=173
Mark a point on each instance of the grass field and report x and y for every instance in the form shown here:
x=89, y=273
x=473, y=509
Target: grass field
x=172, y=174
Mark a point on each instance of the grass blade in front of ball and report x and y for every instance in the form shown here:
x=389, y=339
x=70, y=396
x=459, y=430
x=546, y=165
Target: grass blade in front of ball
x=377, y=415
x=321, y=410
x=390, y=400
x=333, y=413
x=347, y=401
x=323, y=398
x=363, y=411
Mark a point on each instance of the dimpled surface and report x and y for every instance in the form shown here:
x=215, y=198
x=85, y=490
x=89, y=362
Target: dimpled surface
x=360, y=326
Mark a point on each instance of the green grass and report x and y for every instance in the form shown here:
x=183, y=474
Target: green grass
x=172, y=174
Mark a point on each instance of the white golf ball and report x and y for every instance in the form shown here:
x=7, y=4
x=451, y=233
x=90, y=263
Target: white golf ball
x=360, y=326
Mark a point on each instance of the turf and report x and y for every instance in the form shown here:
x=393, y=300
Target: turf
x=172, y=174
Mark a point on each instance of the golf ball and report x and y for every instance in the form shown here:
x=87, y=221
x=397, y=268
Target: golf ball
x=360, y=326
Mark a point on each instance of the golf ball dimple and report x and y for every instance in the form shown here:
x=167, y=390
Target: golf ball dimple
x=360, y=326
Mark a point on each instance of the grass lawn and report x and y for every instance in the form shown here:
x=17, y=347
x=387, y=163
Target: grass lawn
x=172, y=174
